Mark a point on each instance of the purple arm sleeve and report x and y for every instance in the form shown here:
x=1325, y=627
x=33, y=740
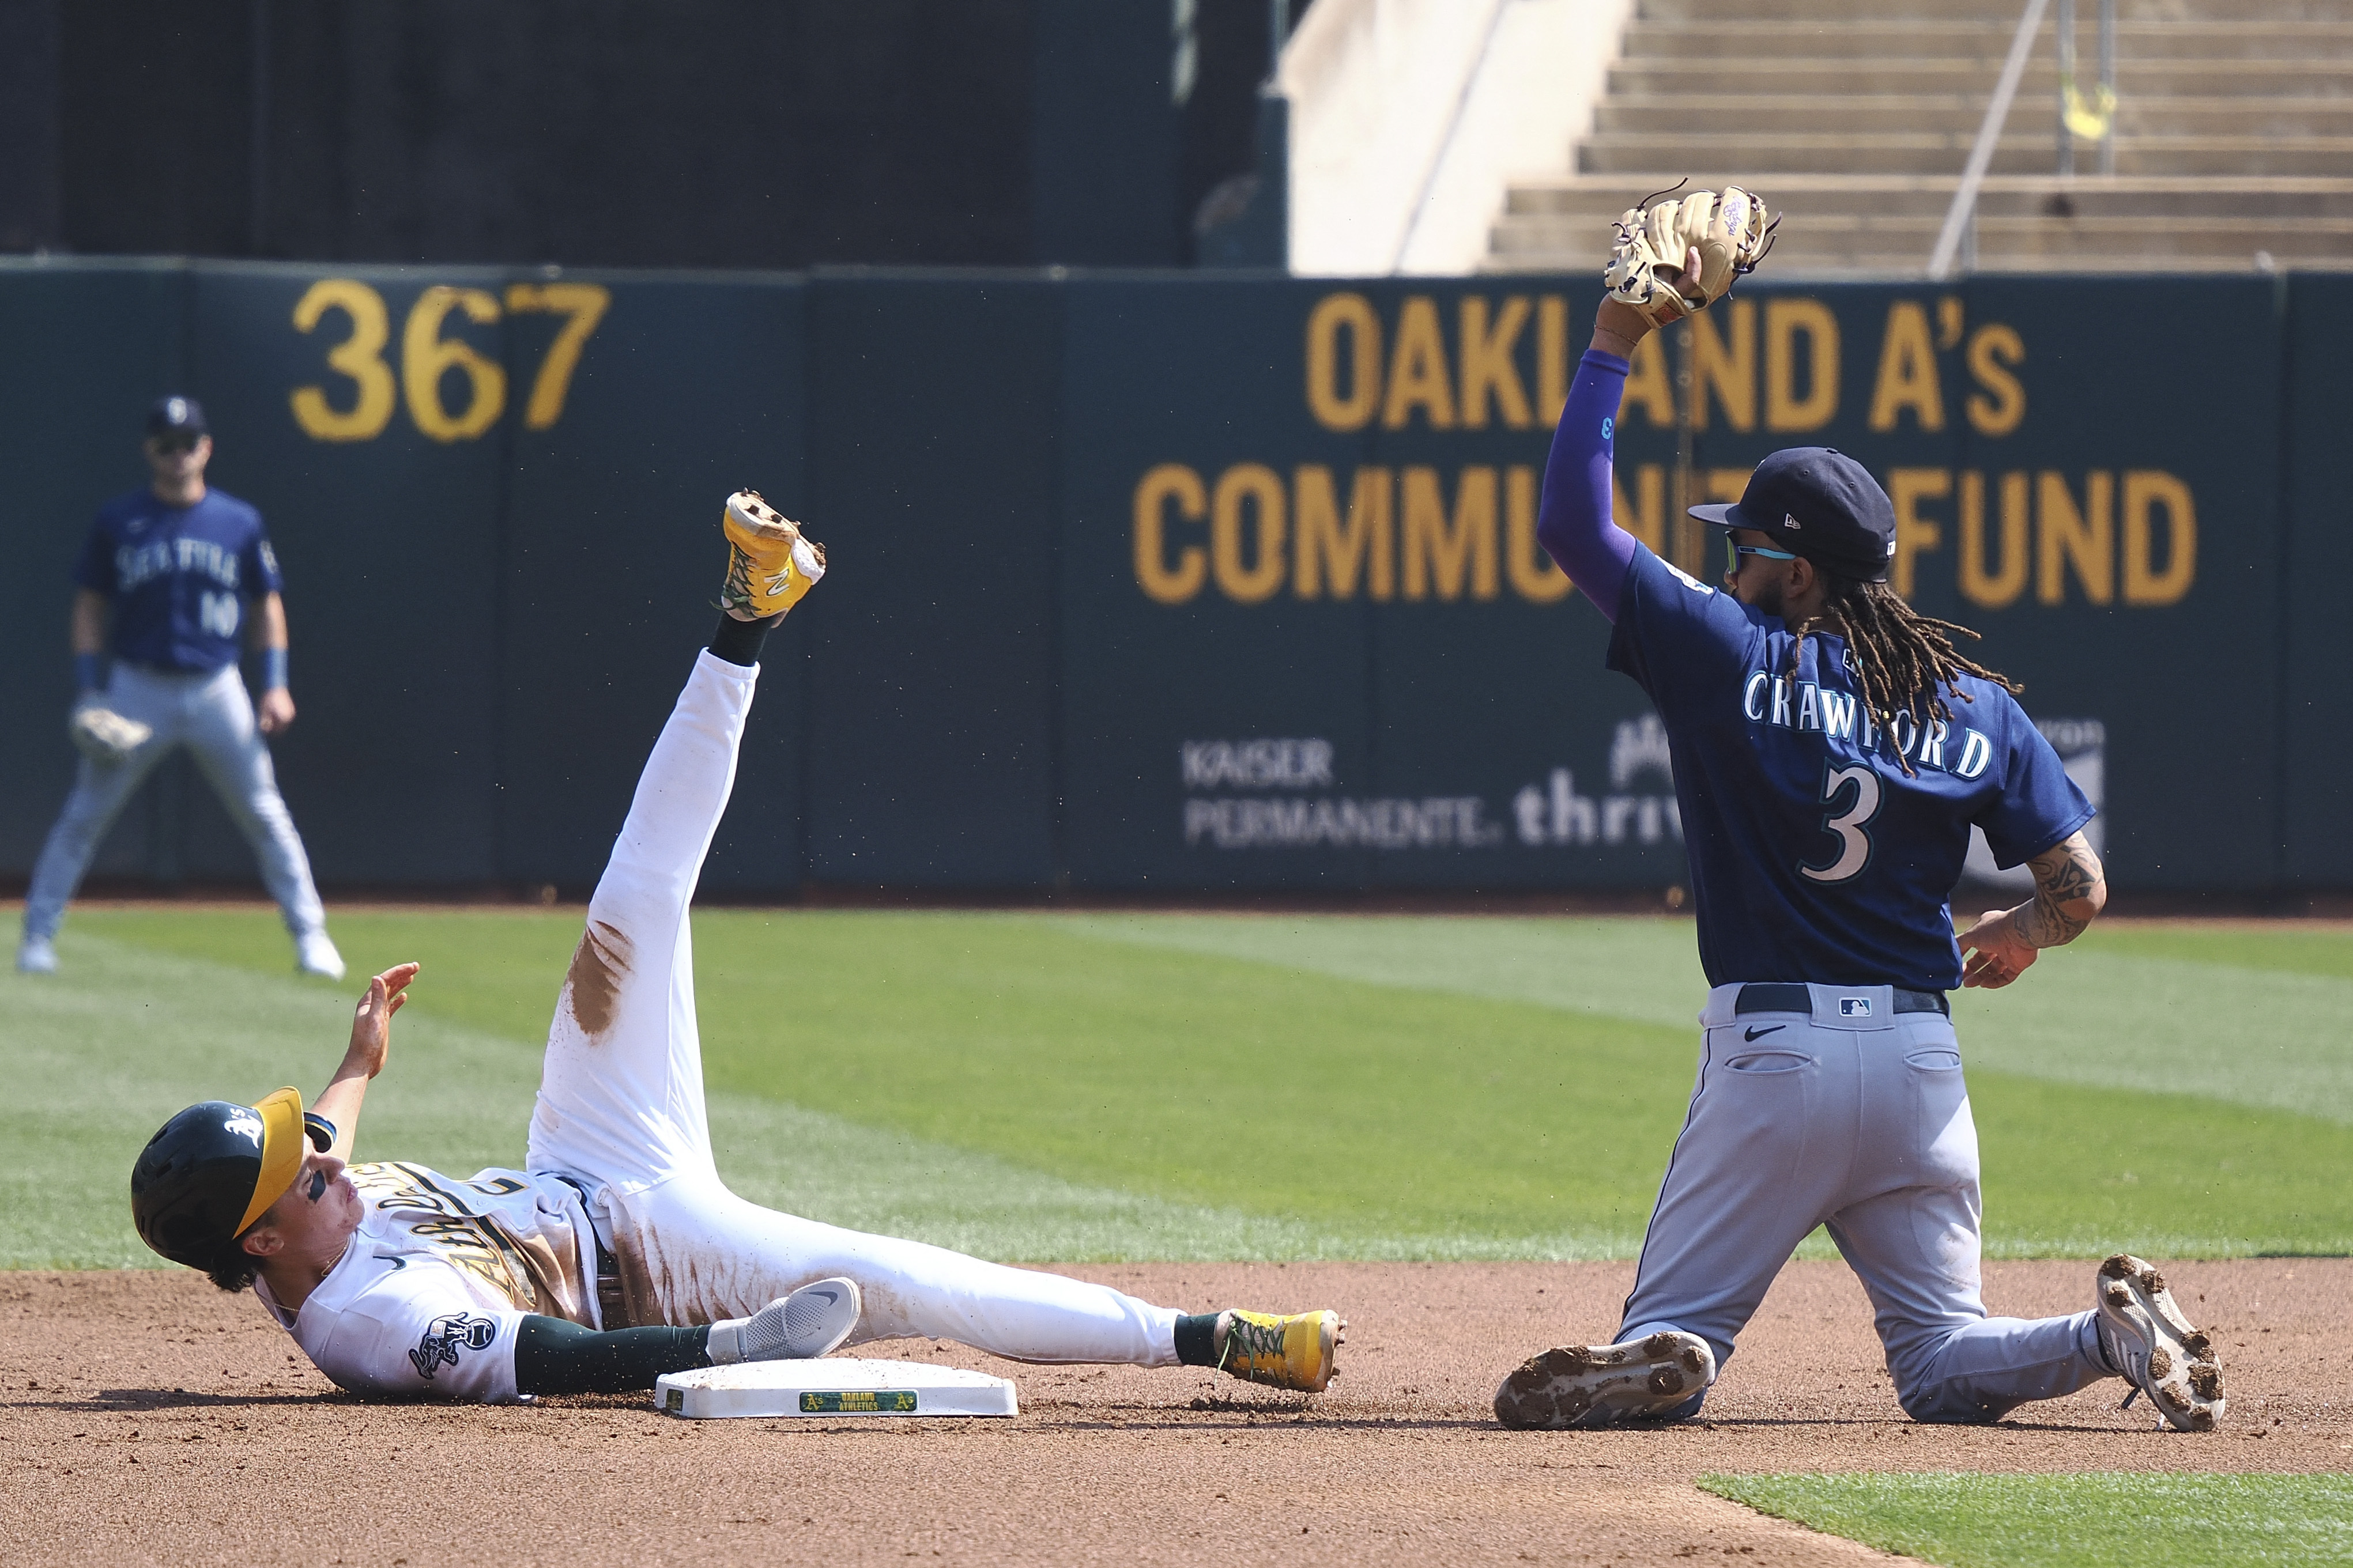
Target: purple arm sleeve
x=1573, y=521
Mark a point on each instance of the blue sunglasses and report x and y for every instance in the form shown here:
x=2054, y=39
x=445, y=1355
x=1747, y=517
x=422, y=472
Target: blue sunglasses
x=1734, y=551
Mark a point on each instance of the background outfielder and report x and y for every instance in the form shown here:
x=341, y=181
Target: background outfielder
x=1831, y=752
x=617, y=1253
x=180, y=569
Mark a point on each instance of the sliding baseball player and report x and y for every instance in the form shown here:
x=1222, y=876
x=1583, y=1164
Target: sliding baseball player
x=1831, y=752
x=616, y=1254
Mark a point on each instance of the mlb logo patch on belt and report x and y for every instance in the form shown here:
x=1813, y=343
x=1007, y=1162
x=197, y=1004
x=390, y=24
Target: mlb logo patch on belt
x=1854, y=1006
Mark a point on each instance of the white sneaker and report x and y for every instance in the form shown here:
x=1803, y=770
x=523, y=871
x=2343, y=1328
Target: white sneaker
x=315, y=954
x=810, y=1323
x=36, y=956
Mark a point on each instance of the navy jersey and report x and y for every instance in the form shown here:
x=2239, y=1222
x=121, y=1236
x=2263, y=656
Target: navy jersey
x=178, y=576
x=1813, y=854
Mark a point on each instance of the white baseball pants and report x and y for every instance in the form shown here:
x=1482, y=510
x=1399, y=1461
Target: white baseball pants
x=210, y=713
x=620, y=1110
x=1854, y=1118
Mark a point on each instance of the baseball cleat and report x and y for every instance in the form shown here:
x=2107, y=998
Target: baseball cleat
x=314, y=953
x=2145, y=1337
x=810, y=1323
x=769, y=565
x=1600, y=1386
x=35, y=955
x=1293, y=1352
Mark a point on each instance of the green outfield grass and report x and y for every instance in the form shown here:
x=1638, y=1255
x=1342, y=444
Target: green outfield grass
x=2092, y=1520
x=1170, y=1086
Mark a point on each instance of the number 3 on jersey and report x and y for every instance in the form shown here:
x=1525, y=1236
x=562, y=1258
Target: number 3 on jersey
x=1854, y=843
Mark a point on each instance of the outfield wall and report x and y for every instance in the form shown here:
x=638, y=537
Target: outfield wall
x=1150, y=581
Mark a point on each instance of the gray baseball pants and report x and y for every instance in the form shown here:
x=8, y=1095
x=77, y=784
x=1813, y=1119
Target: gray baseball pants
x=212, y=716
x=1854, y=1117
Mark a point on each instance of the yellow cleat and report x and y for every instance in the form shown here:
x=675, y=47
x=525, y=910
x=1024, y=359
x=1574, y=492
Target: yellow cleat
x=769, y=565
x=1293, y=1352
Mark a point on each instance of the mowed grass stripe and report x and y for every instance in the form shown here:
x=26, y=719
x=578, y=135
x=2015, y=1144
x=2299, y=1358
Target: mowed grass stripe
x=103, y=1054
x=1373, y=1121
x=2164, y=1009
x=2089, y=1520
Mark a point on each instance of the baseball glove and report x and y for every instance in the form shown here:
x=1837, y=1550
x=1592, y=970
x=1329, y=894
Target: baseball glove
x=103, y=735
x=1732, y=233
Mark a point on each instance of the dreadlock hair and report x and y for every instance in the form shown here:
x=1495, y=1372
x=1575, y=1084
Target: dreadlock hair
x=1900, y=658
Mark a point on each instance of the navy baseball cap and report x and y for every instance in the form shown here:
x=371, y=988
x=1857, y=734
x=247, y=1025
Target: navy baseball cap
x=1817, y=503
x=177, y=415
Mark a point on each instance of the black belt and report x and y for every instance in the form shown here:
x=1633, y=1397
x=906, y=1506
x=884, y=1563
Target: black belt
x=1784, y=997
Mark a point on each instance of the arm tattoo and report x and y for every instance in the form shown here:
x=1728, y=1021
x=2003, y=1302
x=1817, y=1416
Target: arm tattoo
x=2064, y=898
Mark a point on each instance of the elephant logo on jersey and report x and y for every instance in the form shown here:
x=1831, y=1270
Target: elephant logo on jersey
x=244, y=1124
x=449, y=1334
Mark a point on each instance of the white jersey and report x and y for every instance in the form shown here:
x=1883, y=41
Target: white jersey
x=428, y=1298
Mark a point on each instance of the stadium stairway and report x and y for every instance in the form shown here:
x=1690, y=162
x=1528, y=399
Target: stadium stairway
x=2234, y=135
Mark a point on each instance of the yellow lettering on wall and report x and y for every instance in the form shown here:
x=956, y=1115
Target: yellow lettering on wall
x=1418, y=368
x=1725, y=484
x=2086, y=538
x=1534, y=576
x=1907, y=371
x=1342, y=551
x=1334, y=316
x=1726, y=374
x=1950, y=314
x=359, y=357
x=1552, y=357
x=1160, y=581
x=1242, y=580
x=2145, y=489
x=1785, y=322
x=1993, y=349
x=582, y=305
x=1444, y=552
x=1915, y=534
x=1648, y=386
x=1487, y=363
x=1981, y=585
x=426, y=356
x=1646, y=518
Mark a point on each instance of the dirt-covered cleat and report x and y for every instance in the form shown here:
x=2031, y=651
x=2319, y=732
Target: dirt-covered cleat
x=2145, y=1337
x=769, y=565
x=1293, y=1351
x=1601, y=1385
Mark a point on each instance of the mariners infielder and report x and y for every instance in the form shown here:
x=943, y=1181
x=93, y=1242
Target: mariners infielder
x=616, y=1254
x=1831, y=754
x=178, y=564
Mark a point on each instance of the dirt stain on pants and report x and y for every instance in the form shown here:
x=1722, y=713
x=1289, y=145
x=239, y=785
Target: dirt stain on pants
x=593, y=983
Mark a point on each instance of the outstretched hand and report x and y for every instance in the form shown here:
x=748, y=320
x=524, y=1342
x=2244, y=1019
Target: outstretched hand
x=372, y=1019
x=1998, y=954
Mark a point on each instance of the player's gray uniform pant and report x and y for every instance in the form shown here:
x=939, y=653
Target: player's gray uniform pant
x=212, y=716
x=1854, y=1118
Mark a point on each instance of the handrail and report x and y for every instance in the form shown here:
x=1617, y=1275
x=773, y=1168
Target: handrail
x=1965, y=197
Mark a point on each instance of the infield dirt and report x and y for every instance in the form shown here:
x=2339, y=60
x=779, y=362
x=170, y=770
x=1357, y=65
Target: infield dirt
x=152, y=1419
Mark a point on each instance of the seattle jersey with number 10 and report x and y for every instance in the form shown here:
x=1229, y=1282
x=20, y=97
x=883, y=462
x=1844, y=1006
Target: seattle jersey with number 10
x=1814, y=855
x=178, y=576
